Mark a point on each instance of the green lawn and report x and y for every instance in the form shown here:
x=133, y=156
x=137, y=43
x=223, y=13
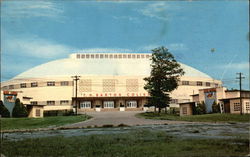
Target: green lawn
x=32, y=123
x=133, y=144
x=198, y=118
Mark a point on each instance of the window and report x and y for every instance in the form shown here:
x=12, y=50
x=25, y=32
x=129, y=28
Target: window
x=184, y=110
x=208, y=84
x=147, y=56
x=138, y=56
x=129, y=56
x=237, y=106
x=83, y=56
x=124, y=56
x=87, y=56
x=106, y=56
x=131, y=104
x=33, y=102
x=64, y=83
x=110, y=56
x=38, y=113
x=85, y=104
x=33, y=84
x=23, y=85
x=11, y=86
x=78, y=56
x=120, y=56
x=247, y=106
x=97, y=56
x=51, y=83
x=108, y=104
x=185, y=82
x=64, y=102
x=133, y=56
x=101, y=55
x=174, y=101
x=50, y=102
x=92, y=56
x=142, y=56
x=199, y=83
x=115, y=56
x=216, y=85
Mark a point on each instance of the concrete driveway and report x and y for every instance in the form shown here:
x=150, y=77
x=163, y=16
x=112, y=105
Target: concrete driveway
x=115, y=118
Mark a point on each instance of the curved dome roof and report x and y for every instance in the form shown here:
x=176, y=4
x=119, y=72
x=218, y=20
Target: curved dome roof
x=75, y=65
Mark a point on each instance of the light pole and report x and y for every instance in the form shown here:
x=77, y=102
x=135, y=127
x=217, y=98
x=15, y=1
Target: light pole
x=76, y=78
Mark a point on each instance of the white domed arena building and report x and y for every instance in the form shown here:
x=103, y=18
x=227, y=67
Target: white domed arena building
x=107, y=82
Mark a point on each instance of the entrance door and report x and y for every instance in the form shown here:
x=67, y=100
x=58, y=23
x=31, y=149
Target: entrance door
x=108, y=104
x=131, y=104
x=85, y=104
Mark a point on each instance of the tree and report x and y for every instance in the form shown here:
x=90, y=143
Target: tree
x=4, y=112
x=19, y=109
x=164, y=77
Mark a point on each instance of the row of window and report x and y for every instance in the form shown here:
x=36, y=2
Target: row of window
x=66, y=83
x=199, y=83
x=35, y=84
x=133, y=56
x=237, y=106
x=62, y=102
x=108, y=104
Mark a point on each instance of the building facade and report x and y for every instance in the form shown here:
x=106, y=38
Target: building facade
x=229, y=101
x=108, y=82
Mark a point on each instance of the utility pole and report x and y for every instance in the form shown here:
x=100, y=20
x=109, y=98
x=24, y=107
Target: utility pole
x=76, y=78
x=240, y=78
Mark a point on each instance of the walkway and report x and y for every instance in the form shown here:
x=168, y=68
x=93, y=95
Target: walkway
x=115, y=118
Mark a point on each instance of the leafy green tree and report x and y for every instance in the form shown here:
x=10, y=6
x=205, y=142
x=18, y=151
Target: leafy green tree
x=19, y=109
x=164, y=77
x=4, y=112
x=216, y=107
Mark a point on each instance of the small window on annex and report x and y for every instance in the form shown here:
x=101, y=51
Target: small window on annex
x=199, y=83
x=50, y=102
x=33, y=84
x=208, y=84
x=64, y=102
x=23, y=85
x=185, y=82
x=64, y=83
x=38, y=113
x=51, y=83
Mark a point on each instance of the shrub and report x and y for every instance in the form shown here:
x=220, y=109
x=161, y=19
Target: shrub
x=4, y=112
x=200, y=108
x=58, y=113
x=216, y=108
x=19, y=109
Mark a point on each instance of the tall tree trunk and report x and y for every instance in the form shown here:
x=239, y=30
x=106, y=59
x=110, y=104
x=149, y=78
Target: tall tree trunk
x=159, y=110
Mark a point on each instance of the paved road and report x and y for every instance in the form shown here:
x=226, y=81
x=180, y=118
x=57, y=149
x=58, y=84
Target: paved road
x=115, y=118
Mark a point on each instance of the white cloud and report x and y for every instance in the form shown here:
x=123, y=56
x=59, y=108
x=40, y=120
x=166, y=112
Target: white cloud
x=237, y=66
x=34, y=47
x=156, y=10
x=130, y=18
x=170, y=47
x=27, y=9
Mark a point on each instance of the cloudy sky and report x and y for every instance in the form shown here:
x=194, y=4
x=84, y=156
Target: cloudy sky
x=35, y=32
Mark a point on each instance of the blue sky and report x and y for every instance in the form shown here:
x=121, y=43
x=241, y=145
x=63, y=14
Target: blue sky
x=35, y=32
